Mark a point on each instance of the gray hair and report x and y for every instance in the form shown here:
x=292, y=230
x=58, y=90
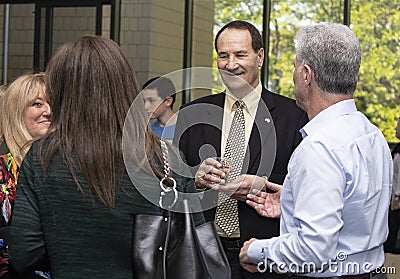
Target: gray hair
x=333, y=52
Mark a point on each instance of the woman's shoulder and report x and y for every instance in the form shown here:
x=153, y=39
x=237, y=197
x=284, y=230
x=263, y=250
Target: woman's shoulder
x=33, y=152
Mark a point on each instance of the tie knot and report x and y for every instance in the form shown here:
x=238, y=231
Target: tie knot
x=239, y=104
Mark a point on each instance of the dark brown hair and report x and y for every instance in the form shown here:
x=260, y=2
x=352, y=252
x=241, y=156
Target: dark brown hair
x=164, y=86
x=91, y=86
x=256, y=39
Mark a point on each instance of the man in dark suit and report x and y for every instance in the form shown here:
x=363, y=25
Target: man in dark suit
x=271, y=135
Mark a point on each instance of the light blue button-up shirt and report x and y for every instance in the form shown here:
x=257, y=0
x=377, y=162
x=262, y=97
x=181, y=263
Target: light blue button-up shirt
x=335, y=199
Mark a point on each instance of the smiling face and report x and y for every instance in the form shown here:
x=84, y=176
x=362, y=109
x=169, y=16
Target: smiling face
x=36, y=116
x=237, y=61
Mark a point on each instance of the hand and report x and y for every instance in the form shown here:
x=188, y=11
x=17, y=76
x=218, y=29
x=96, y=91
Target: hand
x=244, y=259
x=240, y=187
x=266, y=204
x=209, y=175
x=395, y=204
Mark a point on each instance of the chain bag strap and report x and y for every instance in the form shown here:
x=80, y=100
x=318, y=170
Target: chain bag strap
x=167, y=183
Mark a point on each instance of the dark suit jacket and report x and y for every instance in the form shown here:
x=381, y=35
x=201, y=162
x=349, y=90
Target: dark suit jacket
x=276, y=126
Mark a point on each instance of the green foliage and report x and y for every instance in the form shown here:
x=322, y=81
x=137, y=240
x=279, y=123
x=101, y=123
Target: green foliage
x=376, y=24
x=228, y=10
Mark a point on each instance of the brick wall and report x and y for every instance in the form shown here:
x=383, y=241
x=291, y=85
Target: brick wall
x=151, y=35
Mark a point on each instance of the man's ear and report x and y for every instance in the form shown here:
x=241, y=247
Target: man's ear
x=307, y=74
x=260, y=55
x=168, y=101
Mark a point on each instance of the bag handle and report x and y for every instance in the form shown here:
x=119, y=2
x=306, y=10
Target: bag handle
x=167, y=183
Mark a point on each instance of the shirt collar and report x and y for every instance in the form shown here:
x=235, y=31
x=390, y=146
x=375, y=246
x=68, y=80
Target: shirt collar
x=251, y=100
x=332, y=112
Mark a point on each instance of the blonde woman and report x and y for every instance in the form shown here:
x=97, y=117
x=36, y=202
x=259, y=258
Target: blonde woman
x=25, y=116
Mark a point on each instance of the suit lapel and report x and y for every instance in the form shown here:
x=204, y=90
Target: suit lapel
x=263, y=132
x=214, y=113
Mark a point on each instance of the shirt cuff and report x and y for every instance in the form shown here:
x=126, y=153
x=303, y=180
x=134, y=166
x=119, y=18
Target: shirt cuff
x=256, y=251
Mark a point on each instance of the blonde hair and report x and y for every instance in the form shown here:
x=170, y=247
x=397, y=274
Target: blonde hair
x=3, y=89
x=21, y=93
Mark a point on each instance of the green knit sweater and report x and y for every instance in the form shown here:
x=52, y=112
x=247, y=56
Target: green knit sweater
x=57, y=227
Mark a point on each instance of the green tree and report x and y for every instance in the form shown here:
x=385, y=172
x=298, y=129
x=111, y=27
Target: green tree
x=376, y=24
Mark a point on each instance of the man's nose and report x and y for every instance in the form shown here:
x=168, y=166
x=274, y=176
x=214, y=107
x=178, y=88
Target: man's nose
x=231, y=63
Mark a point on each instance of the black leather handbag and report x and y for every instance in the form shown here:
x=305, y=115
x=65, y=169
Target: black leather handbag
x=170, y=246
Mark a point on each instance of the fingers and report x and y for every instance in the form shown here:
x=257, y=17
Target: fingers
x=252, y=204
x=257, y=196
x=240, y=187
x=252, y=268
x=237, y=189
x=244, y=259
x=212, y=162
x=249, y=182
x=209, y=175
x=212, y=178
x=262, y=210
x=259, y=208
x=206, y=180
x=205, y=167
x=213, y=167
x=273, y=186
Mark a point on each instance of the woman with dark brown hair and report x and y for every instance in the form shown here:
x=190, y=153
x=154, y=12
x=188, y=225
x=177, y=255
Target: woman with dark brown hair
x=75, y=201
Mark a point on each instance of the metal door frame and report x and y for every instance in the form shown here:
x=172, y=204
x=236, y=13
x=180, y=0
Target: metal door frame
x=48, y=5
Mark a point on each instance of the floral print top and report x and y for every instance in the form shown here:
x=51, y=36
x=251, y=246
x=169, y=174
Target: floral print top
x=8, y=183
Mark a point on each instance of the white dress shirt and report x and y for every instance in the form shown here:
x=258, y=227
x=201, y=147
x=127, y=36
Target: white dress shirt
x=335, y=199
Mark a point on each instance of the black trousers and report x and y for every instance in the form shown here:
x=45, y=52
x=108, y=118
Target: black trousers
x=391, y=245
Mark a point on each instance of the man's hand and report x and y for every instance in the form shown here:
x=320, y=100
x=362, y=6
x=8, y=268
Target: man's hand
x=240, y=187
x=244, y=259
x=266, y=204
x=209, y=175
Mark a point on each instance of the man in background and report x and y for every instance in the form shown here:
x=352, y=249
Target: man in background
x=159, y=98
